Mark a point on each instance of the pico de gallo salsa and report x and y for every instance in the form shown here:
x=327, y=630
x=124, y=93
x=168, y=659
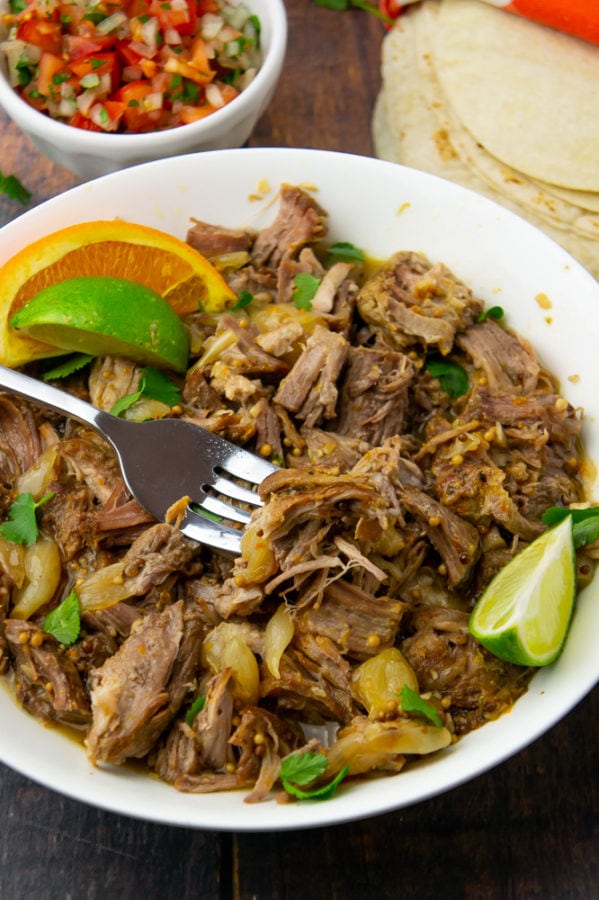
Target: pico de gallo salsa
x=130, y=65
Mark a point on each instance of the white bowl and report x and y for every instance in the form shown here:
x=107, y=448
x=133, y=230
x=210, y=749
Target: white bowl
x=382, y=208
x=90, y=154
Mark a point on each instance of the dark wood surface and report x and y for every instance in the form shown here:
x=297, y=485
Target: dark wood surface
x=527, y=829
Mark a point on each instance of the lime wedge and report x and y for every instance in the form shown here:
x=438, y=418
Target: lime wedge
x=106, y=316
x=524, y=614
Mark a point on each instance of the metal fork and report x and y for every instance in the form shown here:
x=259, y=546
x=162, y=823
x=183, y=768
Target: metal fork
x=164, y=460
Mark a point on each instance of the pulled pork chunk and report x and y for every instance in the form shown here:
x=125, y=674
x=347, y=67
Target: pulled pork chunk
x=506, y=359
x=314, y=680
x=299, y=222
x=360, y=624
x=47, y=681
x=450, y=662
x=310, y=390
x=215, y=240
x=374, y=398
x=138, y=690
x=413, y=302
x=263, y=739
x=20, y=444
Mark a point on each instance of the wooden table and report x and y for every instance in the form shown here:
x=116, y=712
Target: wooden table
x=528, y=829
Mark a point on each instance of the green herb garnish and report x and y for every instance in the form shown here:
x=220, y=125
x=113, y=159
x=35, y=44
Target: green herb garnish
x=346, y=252
x=359, y=4
x=453, y=378
x=303, y=768
x=64, y=622
x=67, y=366
x=305, y=289
x=493, y=312
x=585, y=522
x=154, y=385
x=196, y=707
x=413, y=702
x=21, y=527
x=12, y=187
x=244, y=299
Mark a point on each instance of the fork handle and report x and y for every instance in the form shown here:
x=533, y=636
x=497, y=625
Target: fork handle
x=48, y=396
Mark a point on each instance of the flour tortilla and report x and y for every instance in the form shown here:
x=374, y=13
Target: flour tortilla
x=414, y=124
x=529, y=94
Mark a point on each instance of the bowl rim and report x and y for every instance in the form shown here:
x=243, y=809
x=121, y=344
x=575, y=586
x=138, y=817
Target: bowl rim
x=492, y=232
x=84, y=141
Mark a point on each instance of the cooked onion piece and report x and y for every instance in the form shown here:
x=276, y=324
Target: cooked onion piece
x=226, y=647
x=365, y=745
x=278, y=635
x=36, y=479
x=104, y=588
x=378, y=681
x=42, y=576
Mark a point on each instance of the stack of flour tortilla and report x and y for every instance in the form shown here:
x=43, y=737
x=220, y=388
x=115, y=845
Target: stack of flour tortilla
x=501, y=105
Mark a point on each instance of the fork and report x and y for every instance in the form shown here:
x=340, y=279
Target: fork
x=163, y=460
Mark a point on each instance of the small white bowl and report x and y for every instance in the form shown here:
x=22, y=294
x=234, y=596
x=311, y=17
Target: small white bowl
x=382, y=208
x=90, y=153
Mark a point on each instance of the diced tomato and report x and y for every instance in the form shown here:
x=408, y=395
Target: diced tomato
x=49, y=66
x=81, y=121
x=390, y=8
x=189, y=114
x=135, y=114
x=130, y=56
x=44, y=33
x=179, y=19
x=99, y=64
x=138, y=8
x=77, y=47
x=206, y=6
x=115, y=110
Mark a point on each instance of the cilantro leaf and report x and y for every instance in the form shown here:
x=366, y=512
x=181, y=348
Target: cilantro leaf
x=413, y=702
x=196, y=707
x=453, y=378
x=245, y=298
x=305, y=288
x=345, y=251
x=152, y=384
x=12, y=187
x=585, y=522
x=360, y=4
x=320, y=793
x=64, y=622
x=21, y=527
x=68, y=365
x=303, y=768
x=493, y=312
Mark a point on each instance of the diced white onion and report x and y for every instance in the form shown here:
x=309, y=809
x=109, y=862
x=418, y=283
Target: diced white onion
x=111, y=23
x=214, y=96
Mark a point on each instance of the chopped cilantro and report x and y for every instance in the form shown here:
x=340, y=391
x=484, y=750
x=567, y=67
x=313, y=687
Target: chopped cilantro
x=493, y=312
x=17, y=6
x=360, y=4
x=12, y=187
x=21, y=527
x=244, y=299
x=413, y=702
x=64, y=622
x=303, y=768
x=67, y=366
x=305, y=288
x=152, y=384
x=196, y=707
x=585, y=522
x=346, y=252
x=453, y=378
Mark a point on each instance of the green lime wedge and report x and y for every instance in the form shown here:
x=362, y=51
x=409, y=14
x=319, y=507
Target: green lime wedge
x=524, y=614
x=107, y=317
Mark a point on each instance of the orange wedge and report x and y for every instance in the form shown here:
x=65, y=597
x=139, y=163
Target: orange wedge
x=117, y=249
